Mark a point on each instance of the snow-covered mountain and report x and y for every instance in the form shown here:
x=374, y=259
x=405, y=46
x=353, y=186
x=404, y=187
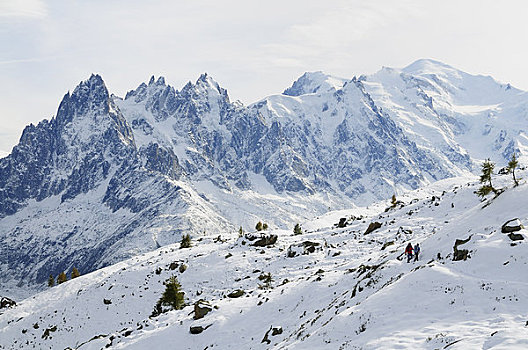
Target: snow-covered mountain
x=332, y=287
x=108, y=177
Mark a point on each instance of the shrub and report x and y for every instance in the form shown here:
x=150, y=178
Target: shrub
x=186, y=241
x=258, y=226
x=75, y=273
x=297, y=230
x=512, y=164
x=267, y=280
x=61, y=278
x=51, y=281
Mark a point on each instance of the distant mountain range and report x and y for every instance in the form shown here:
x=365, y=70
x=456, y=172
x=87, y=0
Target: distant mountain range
x=111, y=177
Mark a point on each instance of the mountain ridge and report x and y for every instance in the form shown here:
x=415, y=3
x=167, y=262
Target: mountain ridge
x=161, y=162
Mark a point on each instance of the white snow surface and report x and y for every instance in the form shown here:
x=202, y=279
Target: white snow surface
x=444, y=108
x=355, y=291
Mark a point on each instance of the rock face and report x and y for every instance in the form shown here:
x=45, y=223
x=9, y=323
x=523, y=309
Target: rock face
x=512, y=225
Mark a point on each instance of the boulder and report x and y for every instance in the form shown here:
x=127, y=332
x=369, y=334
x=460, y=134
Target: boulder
x=6, y=302
x=460, y=254
x=107, y=301
x=262, y=239
x=516, y=236
x=512, y=225
x=201, y=308
x=303, y=248
x=236, y=294
x=342, y=222
x=372, y=227
x=196, y=329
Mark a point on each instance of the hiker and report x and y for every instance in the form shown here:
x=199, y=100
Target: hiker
x=409, y=252
x=416, y=251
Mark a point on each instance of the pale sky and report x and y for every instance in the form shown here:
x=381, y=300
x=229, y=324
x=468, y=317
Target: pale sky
x=252, y=48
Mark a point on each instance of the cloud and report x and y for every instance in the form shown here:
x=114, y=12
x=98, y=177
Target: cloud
x=30, y=9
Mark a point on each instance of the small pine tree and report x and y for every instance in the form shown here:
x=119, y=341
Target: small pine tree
x=485, y=178
x=75, y=273
x=267, y=280
x=264, y=226
x=51, y=281
x=240, y=232
x=258, y=226
x=172, y=297
x=61, y=278
x=186, y=241
x=297, y=230
x=393, y=200
x=512, y=165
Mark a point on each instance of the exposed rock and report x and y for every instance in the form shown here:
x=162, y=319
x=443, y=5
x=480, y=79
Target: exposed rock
x=173, y=265
x=274, y=331
x=512, y=225
x=196, y=329
x=182, y=268
x=386, y=244
x=460, y=254
x=516, y=236
x=262, y=239
x=303, y=248
x=342, y=222
x=47, y=331
x=236, y=294
x=405, y=231
x=6, y=302
x=201, y=308
x=372, y=227
x=107, y=301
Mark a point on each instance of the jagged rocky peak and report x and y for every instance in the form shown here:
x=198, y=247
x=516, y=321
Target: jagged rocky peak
x=205, y=87
x=90, y=94
x=314, y=82
x=154, y=87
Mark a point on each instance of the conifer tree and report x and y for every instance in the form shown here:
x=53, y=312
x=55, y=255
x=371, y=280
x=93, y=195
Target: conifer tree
x=61, y=278
x=75, y=273
x=258, y=226
x=264, y=226
x=297, y=230
x=240, y=232
x=485, y=179
x=393, y=200
x=186, y=241
x=512, y=165
x=51, y=281
x=172, y=297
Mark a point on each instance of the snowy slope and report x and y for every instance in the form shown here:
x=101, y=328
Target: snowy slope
x=355, y=291
x=461, y=116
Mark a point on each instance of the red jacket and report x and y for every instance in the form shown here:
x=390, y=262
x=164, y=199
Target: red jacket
x=409, y=250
